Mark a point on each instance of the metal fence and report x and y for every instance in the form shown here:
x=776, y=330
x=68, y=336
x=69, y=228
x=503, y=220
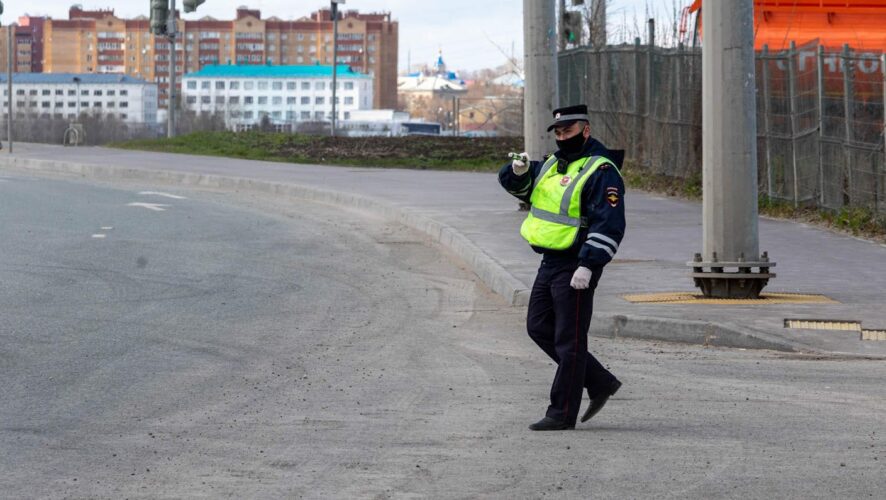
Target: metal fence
x=820, y=116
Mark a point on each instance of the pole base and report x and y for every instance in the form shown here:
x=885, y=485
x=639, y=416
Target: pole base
x=716, y=282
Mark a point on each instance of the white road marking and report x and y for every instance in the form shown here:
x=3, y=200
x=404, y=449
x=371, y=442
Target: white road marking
x=107, y=228
x=166, y=195
x=157, y=207
x=98, y=236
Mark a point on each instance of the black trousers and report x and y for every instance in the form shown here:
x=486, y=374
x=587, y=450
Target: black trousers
x=558, y=321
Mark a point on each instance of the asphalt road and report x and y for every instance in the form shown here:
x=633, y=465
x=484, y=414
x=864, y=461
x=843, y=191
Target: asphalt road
x=233, y=346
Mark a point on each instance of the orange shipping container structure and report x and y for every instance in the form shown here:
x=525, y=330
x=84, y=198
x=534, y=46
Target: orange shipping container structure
x=859, y=23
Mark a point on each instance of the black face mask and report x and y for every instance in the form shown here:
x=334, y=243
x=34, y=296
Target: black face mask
x=573, y=145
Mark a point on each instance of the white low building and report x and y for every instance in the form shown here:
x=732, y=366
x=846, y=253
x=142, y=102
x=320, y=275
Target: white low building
x=287, y=95
x=66, y=95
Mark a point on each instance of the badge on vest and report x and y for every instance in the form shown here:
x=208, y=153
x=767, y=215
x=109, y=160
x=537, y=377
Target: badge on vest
x=565, y=180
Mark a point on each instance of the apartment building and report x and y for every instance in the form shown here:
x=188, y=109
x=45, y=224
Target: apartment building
x=286, y=95
x=66, y=95
x=96, y=41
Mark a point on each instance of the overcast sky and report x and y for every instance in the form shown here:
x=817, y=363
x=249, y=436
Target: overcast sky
x=472, y=34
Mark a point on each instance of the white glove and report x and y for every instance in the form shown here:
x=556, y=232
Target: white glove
x=519, y=165
x=581, y=279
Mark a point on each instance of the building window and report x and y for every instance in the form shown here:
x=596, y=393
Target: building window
x=349, y=100
x=84, y=92
x=305, y=115
x=248, y=85
x=234, y=99
x=247, y=99
x=262, y=85
x=192, y=85
x=290, y=100
x=97, y=104
x=124, y=104
x=124, y=93
x=306, y=100
x=72, y=104
x=219, y=99
x=204, y=85
x=219, y=85
x=262, y=100
x=347, y=115
x=97, y=92
x=300, y=36
x=46, y=92
x=191, y=99
x=349, y=85
x=277, y=100
x=319, y=100
x=204, y=99
x=290, y=85
x=248, y=115
x=234, y=85
x=84, y=104
x=45, y=104
x=33, y=92
x=111, y=93
x=277, y=115
x=57, y=92
x=20, y=91
x=277, y=86
x=72, y=92
x=111, y=104
x=123, y=116
x=318, y=115
x=320, y=86
x=306, y=85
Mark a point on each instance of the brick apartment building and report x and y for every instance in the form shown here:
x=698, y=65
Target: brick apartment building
x=96, y=41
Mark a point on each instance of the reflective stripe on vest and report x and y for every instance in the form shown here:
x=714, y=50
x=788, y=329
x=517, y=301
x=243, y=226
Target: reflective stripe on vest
x=555, y=218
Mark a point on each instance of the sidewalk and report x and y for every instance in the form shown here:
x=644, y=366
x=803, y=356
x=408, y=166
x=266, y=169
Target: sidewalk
x=470, y=214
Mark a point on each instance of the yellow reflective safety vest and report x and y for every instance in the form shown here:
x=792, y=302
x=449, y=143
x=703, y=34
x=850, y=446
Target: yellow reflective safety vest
x=555, y=218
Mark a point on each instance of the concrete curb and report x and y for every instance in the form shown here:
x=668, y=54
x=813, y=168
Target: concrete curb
x=487, y=269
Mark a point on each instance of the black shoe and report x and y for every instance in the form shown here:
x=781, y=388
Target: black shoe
x=599, y=402
x=549, y=424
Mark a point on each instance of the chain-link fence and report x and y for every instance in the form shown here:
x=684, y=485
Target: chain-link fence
x=820, y=116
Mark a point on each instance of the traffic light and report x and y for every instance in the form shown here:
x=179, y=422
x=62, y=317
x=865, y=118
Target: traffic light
x=159, y=15
x=191, y=5
x=571, y=27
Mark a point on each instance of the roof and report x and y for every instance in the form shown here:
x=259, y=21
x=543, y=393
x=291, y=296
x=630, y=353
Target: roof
x=85, y=78
x=433, y=83
x=264, y=71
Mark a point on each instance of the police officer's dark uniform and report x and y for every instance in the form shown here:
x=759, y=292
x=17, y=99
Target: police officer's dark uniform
x=559, y=315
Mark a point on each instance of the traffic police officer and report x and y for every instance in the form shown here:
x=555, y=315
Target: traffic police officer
x=576, y=221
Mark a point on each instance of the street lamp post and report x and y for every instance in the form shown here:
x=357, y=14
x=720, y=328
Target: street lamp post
x=77, y=83
x=170, y=30
x=9, y=98
x=334, y=58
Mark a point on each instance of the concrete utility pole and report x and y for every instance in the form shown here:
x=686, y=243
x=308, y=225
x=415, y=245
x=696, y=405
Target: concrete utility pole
x=540, y=65
x=729, y=143
x=597, y=23
x=171, y=29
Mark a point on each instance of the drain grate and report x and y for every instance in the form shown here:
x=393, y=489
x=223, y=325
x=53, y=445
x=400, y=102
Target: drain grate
x=831, y=324
x=697, y=298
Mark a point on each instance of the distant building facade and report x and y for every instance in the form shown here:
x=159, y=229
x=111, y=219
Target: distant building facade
x=96, y=41
x=286, y=95
x=66, y=95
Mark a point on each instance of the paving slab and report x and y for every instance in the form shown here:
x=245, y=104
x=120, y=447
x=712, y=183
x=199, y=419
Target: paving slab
x=472, y=216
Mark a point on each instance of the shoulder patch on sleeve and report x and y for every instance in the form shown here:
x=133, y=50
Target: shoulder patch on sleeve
x=612, y=196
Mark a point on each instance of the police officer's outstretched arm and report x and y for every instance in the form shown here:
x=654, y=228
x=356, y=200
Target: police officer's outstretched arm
x=517, y=178
x=604, y=207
